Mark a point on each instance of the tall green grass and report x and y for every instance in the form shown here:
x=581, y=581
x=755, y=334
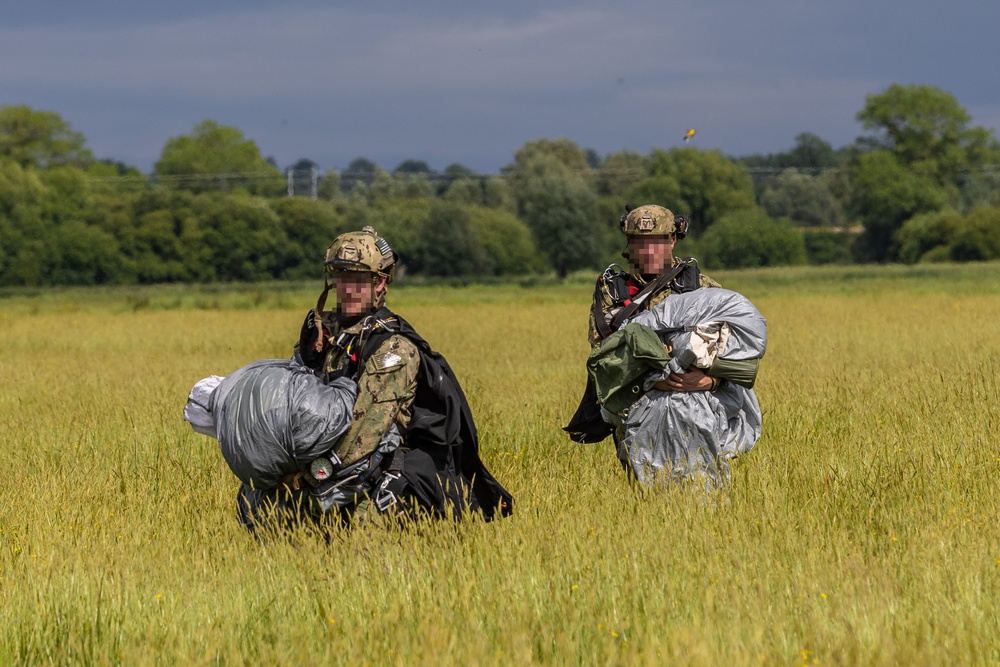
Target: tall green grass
x=862, y=529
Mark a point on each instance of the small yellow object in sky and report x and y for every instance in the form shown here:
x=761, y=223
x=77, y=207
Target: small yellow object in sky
x=689, y=134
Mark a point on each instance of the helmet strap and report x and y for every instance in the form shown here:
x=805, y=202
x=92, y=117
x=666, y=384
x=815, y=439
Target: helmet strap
x=318, y=313
x=380, y=287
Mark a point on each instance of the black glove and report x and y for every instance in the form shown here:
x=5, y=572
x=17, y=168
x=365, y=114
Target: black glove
x=307, y=341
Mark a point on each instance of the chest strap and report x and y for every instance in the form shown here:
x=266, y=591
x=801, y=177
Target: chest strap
x=604, y=329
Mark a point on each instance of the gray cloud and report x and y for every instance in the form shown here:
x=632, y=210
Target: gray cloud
x=448, y=82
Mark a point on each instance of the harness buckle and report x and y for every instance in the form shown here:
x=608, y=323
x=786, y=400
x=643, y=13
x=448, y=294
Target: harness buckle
x=384, y=498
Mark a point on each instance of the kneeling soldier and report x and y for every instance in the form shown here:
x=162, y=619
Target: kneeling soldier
x=402, y=382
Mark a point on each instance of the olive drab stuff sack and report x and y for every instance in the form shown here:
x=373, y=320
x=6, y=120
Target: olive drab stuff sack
x=619, y=364
x=274, y=417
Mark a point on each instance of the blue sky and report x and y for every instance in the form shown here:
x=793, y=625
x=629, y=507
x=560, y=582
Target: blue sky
x=469, y=82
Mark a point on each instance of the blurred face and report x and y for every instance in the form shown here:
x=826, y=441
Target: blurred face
x=651, y=254
x=355, y=293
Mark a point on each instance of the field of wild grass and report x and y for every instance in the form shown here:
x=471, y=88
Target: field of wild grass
x=862, y=529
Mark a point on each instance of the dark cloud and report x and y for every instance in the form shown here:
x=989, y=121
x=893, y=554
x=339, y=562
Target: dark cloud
x=456, y=82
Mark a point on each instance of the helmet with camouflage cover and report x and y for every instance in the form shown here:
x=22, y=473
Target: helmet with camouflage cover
x=652, y=220
x=361, y=251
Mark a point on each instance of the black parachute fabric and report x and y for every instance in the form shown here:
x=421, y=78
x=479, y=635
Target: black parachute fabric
x=442, y=463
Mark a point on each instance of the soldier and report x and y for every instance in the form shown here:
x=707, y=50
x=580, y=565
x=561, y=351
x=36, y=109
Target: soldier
x=665, y=429
x=402, y=383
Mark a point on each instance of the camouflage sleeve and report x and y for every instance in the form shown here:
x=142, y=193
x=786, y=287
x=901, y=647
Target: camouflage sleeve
x=706, y=281
x=592, y=336
x=386, y=389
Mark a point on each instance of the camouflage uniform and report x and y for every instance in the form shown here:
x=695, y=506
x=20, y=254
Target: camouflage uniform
x=402, y=382
x=635, y=285
x=387, y=385
x=614, y=290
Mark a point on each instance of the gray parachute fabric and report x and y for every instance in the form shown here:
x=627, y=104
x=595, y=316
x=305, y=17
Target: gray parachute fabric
x=691, y=435
x=683, y=319
x=274, y=417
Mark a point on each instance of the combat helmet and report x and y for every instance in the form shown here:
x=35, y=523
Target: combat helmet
x=364, y=251
x=652, y=220
x=361, y=251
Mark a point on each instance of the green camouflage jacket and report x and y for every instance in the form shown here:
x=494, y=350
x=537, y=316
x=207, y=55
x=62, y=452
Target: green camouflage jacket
x=387, y=386
x=636, y=281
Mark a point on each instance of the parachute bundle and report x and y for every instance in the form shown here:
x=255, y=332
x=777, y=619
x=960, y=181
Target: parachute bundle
x=273, y=417
x=688, y=435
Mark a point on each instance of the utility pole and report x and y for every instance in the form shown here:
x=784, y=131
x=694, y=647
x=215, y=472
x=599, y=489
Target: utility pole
x=315, y=180
x=291, y=182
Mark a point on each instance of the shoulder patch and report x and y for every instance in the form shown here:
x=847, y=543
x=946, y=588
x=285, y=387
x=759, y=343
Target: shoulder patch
x=387, y=360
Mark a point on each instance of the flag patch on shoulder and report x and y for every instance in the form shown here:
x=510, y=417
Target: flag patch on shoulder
x=387, y=360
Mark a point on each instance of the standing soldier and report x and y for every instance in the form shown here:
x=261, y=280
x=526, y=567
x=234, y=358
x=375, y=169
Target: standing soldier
x=677, y=421
x=402, y=383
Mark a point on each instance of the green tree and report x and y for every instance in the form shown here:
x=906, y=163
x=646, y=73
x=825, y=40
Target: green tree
x=618, y=172
x=40, y=139
x=704, y=185
x=360, y=170
x=448, y=245
x=507, y=242
x=412, y=185
x=750, y=238
x=926, y=129
x=215, y=157
x=22, y=227
x=83, y=255
x=310, y=227
x=887, y=193
x=465, y=190
x=574, y=159
x=243, y=236
x=398, y=221
x=919, y=136
x=927, y=235
x=978, y=238
x=810, y=154
x=805, y=199
x=452, y=173
x=329, y=186
x=413, y=167
x=827, y=246
x=551, y=183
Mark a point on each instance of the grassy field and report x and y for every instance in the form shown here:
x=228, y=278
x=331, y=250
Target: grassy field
x=862, y=529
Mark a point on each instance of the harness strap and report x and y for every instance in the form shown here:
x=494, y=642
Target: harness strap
x=318, y=316
x=604, y=329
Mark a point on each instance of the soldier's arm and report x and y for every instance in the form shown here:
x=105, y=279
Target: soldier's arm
x=386, y=389
x=706, y=281
x=305, y=349
x=606, y=305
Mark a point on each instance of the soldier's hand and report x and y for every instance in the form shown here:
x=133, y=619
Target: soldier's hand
x=292, y=481
x=307, y=339
x=694, y=380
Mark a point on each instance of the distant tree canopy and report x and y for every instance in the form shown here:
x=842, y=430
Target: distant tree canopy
x=806, y=200
x=919, y=156
x=216, y=157
x=704, y=185
x=40, y=139
x=551, y=182
x=922, y=184
x=810, y=152
x=412, y=167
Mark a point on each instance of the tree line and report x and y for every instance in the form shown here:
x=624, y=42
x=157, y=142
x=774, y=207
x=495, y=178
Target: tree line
x=919, y=185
